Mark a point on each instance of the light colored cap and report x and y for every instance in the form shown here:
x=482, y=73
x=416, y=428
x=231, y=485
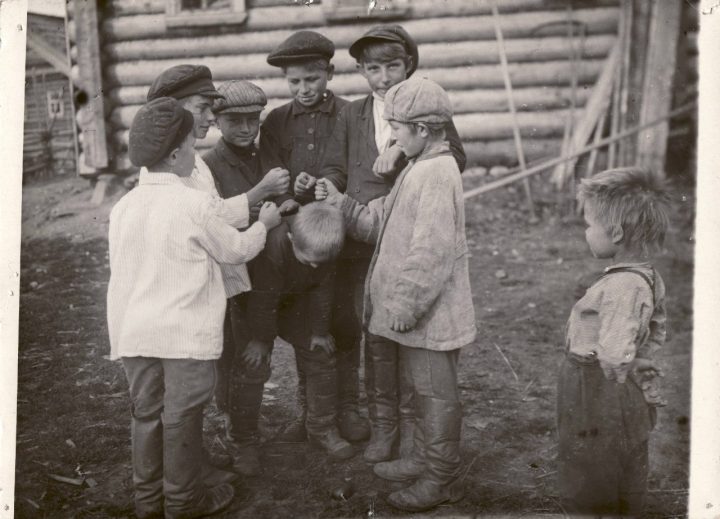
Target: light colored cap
x=241, y=97
x=417, y=100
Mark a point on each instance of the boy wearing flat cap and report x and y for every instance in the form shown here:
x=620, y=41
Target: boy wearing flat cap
x=236, y=169
x=418, y=304
x=165, y=306
x=363, y=160
x=295, y=136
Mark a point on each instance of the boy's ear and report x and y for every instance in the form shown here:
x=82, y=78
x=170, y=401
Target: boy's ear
x=330, y=71
x=423, y=129
x=617, y=234
x=171, y=159
x=408, y=65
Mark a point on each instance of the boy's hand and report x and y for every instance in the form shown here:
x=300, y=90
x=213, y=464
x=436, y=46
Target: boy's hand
x=276, y=182
x=304, y=183
x=646, y=375
x=255, y=212
x=256, y=353
x=324, y=342
x=386, y=161
x=289, y=206
x=616, y=372
x=401, y=325
x=269, y=215
x=326, y=190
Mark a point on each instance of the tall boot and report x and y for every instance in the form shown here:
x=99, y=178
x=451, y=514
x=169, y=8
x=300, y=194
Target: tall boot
x=321, y=413
x=352, y=426
x=440, y=483
x=412, y=465
x=147, y=461
x=295, y=431
x=185, y=495
x=407, y=413
x=384, y=402
x=244, y=409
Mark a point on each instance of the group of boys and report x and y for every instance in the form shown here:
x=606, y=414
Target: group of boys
x=181, y=296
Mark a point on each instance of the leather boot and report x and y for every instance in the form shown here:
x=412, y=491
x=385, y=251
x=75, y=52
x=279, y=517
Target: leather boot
x=295, y=431
x=244, y=445
x=322, y=405
x=407, y=413
x=384, y=403
x=352, y=426
x=440, y=483
x=185, y=495
x=412, y=466
x=147, y=461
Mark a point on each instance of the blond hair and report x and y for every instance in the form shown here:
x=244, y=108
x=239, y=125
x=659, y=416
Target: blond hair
x=634, y=199
x=319, y=228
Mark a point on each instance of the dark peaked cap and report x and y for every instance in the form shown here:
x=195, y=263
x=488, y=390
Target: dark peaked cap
x=299, y=46
x=160, y=126
x=183, y=81
x=387, y=33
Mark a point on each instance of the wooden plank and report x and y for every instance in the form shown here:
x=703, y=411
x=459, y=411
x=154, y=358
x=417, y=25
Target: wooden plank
x=92, y=120
x=658, y=86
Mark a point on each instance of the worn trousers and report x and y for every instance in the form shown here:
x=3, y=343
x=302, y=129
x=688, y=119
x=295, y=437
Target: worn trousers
x=168, y=397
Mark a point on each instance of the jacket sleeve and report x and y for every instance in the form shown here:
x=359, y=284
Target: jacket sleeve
x=228, y=245
x=431, y=253
x=334, y=166
x=321, y=302
x=264, y=298
x=456, y=147
x=270, y=152
x=657, y=331
x=363, y=221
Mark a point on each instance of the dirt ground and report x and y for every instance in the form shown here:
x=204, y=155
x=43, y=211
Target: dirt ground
x=73, y=407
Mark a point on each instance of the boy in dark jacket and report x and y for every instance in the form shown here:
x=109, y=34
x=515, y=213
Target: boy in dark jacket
x=291, y=298
x=363, y=161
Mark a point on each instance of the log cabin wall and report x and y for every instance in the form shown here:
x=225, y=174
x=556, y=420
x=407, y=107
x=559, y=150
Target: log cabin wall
x=457, y=49
x=48, y=147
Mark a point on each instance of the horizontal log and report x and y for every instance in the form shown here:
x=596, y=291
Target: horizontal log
x=479, y=100
x=598, y=21
x=479, y=153
x=555, y=73
x=153, y=26
x=134, y=7
x=478, y=126
x=434, y=55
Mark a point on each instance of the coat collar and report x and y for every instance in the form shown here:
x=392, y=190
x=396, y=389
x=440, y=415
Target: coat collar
x=147, y=178
x=230, y=155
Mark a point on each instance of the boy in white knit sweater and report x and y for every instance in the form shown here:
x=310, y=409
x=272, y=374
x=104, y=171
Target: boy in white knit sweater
x=166, y=304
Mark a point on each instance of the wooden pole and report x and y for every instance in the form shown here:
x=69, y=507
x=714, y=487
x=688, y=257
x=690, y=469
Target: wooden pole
x=533, y=170
x=513, y=112
x=658, y=85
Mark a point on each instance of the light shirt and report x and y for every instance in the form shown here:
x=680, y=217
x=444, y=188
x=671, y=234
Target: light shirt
x=383, y=132
x=165, y=296
x=618, y=318
x=234, y=211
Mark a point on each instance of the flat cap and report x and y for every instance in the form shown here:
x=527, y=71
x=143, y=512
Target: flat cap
x=387, y=33
x=301, y=46
x=183, y=81
x=417, y=100
x=241, y=97
x=160, y=126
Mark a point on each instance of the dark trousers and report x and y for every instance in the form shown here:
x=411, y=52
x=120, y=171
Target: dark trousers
x=168, y=397
x=603, y=430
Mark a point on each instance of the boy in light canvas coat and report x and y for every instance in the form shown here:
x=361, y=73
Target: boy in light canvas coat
x=417, y=296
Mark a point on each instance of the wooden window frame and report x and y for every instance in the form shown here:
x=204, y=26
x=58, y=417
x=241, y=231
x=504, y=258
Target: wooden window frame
x=175, y=16
x=335, y=11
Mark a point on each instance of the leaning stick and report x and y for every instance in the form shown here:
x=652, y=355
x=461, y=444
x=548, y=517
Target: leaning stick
x=559, y=160
x=511, y=104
